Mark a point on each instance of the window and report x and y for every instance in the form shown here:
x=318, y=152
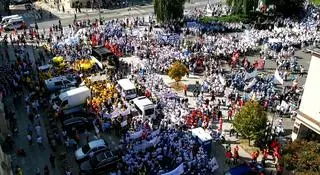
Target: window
x=295, y=130
x=130, y=92
x=85, y=149
x=138, y=109
x=66, y=82
x=149, y=112
x=64, y=103
x=58, y=83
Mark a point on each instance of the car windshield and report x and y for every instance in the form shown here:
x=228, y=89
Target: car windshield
x=131, y=91
x=85, y=149
x=149, y=112
x=70, y=78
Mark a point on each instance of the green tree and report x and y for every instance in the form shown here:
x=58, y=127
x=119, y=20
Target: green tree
x=168, y=10
x=251, y=120
x=287, y=7
x=177, y=71
x=243, y=6
x=302, y=157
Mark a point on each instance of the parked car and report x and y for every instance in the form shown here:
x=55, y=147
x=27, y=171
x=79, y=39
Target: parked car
x=246, y=169
x=89, y=116
x=29, y=6
x=15, y=23
x=90, y=149
x=57, y=83
x=101, y=163
x=76, y=123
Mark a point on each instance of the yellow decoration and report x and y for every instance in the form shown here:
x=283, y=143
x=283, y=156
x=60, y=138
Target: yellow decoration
x=58, y=59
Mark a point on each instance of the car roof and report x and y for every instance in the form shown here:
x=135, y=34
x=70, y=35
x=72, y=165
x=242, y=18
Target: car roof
x=96, y=143
x=70, y=120
x=59, y=78
x=126, y=84
x=239, y=170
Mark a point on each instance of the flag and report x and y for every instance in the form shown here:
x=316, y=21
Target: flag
x=178, y=171
x=278, y=77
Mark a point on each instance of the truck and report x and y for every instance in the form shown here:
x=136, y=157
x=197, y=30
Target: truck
x=72, y=100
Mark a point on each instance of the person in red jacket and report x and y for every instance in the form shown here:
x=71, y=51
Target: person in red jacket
x=236, y=154
x=279, y=169
x=228, y=157
x=230, y=114
x=264, y=157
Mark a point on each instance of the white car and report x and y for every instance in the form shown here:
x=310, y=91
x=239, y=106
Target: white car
x=90, y=149
x=61, y=82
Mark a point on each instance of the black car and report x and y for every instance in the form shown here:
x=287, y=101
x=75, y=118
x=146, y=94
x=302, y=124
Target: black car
x=100, y=163
x=76, y=123
x=79, y=114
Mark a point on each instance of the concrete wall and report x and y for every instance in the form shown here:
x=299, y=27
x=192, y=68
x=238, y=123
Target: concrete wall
x=310, y=103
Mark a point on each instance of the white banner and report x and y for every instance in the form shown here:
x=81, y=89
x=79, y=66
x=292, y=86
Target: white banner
x=178, y=171
x=278, y=77
x=136, y=135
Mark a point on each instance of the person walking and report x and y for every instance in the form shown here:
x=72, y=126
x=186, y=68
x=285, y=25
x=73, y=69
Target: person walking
x=46, y=170
x=29, y=138
x=236, y=154
x=185, y=89
x=39, y=141
x=52, y=160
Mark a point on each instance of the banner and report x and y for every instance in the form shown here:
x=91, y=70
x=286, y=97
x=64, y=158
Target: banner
x=278, y=77
x=136, y=135
x=250, y=75
x=178, y=171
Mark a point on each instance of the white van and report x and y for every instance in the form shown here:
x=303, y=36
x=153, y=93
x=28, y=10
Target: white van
x=72, y=98
x=144, y=107
x=6, y=19
x=127, y=89
x=15, y=23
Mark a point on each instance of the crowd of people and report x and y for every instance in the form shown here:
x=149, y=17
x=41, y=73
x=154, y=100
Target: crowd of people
x=163, y=144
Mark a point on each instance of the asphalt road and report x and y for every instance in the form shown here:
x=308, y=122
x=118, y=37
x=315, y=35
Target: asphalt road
x=110, y=14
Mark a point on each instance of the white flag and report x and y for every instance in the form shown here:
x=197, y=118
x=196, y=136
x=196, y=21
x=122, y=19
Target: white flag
x=278, y=77
x=178, y=171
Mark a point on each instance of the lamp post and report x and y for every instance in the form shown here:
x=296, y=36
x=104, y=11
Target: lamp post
x=99, y=9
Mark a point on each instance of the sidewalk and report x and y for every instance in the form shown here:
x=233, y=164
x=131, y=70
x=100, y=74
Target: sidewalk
x=63, y=15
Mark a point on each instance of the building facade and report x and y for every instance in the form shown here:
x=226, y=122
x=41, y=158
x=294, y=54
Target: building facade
x=307, y=122
x=5, y=164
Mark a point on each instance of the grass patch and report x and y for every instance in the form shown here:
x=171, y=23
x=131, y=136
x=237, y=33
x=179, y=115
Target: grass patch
x=244, y=143
x=229, y=19
x=177, y=86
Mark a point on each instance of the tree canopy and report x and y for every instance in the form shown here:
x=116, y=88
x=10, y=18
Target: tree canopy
x=302, y=156
x=287, y=7
x=177, y=71
x=242, y=6
x=251, y=120
x=168, y=10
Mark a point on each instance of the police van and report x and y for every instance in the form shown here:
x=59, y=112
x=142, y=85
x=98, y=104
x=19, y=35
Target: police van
x=144, y=107
x=127, y=89
x=6, y=19
x=15, y=23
